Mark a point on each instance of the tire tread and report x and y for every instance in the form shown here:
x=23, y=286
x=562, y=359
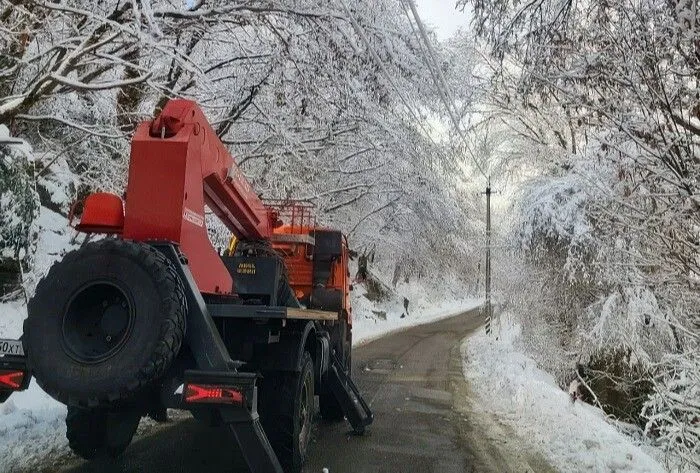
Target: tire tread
x=171, y=328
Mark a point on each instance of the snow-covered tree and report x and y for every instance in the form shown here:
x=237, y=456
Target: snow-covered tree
x=327, y=101
x=604, y=97
x=19, y=206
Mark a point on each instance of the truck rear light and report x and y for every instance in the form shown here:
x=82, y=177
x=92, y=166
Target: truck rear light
x=11, y=379
x=212, y=394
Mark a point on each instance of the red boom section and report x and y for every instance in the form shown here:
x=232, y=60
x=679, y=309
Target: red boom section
x=178, y=165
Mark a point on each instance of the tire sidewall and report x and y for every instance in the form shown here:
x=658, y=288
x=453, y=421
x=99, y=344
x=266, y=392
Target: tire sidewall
x=94, y=433
x=306, y=372
x=49, y=359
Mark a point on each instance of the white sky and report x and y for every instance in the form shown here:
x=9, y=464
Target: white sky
x=442, y=16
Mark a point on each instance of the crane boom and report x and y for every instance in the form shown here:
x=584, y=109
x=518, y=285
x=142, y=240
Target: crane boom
x=178, y=165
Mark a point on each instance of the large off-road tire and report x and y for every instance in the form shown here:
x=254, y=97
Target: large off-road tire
x=106, y=322
x=286, y=412
x=100, y=433
x=341, y=342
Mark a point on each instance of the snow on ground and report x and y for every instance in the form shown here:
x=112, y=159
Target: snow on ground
x=32, y=428
x=32, y=424
x=372, y=320
x=575, y=437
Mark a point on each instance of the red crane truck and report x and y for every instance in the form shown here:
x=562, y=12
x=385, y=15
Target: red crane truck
x=151, y=316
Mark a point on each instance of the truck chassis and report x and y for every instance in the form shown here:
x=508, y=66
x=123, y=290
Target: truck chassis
x=246, y=338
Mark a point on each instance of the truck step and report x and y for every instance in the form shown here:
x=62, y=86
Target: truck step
x=356, y=410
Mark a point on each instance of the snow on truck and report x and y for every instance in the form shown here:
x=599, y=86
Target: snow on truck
x=152, y=317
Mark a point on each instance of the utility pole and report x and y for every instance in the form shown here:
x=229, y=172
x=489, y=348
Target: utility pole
x=489, y=308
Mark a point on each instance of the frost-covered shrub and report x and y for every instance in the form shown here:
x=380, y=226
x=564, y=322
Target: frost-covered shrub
x=556, y=238
x=620, y=382
x=673, y=411
x=56, y=184
x=19, y=201
x=591, y=304
x=554, y=222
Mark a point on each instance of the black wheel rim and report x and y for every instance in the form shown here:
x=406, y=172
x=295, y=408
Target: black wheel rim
x=305, y=412
x=97, y=322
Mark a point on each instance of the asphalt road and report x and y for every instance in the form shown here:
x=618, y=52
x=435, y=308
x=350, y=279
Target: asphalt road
x=426, y=420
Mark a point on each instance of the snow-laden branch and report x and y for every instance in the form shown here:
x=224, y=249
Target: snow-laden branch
x=373, y=212
x=71, y=124
x=357, y=171
x=77, y=85
x=336, y=191
x=262, y=8
x=345, y=203
x=11, y=105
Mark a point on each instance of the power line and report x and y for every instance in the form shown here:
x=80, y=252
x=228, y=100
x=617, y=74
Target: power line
x=451, y=106
x=431, y=62
x=361, y=33
x=422, y=50
x=440, y=82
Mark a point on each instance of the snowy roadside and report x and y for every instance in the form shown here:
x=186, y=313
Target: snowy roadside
x=32, y=424
x=372, y=320
x=574, y=437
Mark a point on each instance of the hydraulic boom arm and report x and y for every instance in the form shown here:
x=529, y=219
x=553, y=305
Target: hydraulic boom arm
x=178, y=165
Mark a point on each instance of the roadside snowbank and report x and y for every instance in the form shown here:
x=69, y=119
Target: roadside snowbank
x=32, y=429
x=32, y=424
x=373, y=320
x=575, y=437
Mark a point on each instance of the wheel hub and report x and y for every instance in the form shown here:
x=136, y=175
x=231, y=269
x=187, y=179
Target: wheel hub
x=97, y=322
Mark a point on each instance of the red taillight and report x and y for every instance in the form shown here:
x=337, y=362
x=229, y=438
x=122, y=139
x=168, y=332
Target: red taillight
x=11, y=379
x=207, y=393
